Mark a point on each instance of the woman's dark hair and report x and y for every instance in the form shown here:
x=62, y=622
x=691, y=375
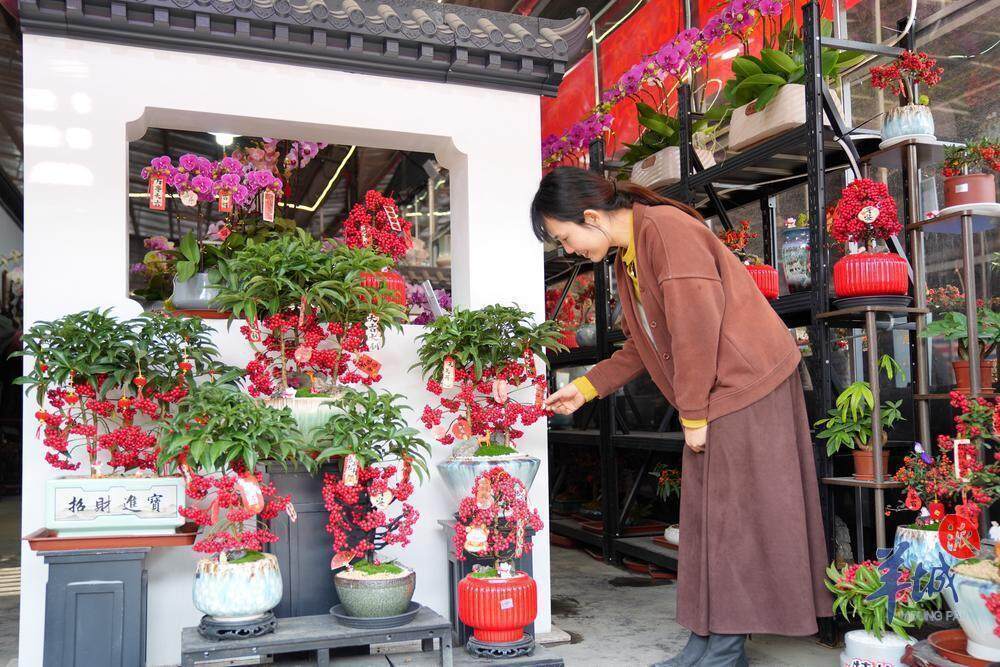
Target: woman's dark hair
x=566, y=192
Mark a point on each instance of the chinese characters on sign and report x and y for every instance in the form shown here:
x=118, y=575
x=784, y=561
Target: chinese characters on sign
x=79, y=504
x=923, y=582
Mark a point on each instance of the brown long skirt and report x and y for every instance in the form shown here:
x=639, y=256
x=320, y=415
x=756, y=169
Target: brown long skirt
x=752, y=550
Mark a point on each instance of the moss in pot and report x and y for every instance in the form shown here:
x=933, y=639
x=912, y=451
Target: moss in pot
x=366, y=500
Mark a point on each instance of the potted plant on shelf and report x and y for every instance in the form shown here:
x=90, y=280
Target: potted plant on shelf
x=968, y=174
x=953, y=325
x=866, y=214
x=476, y=361
x=668, y=483
x=376, y=223
x=655, y=159
x=795, y=253
x=976, y=601
x=378, y=453
x=216, y=439
x=566, y=318
x=495, y=522
x=849, y=424
x=586, y=332
x=764, y=276
x=104, y=387
x=767, y=91
x=311, y=324
x=859, y=592
x=912, y=118
x=156, y=270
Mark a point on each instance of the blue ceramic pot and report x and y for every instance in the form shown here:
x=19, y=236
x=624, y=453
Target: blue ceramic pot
x=908, y=120
x=375, y=598
x=237, y=591
x=586, y=335
x=460, y=473
x=924, y=548
x=795, y=258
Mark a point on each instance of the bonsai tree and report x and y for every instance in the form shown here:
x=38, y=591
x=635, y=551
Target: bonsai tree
x=378, y=454
x=865, y=214
x=857, y=591
x=954, y=325
x=849, y=424
x=493, y=522
x=310, y=318
x=104, y=385
x=737, y=241
x=376, y=223
x=475, y=360
x=901, y=76
x=975, y=156
x=216, y=439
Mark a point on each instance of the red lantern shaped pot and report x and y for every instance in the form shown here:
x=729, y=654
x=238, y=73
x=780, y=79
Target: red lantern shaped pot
x=393, y=279
x=871, y=274
x=498, y=609
x=766, y=278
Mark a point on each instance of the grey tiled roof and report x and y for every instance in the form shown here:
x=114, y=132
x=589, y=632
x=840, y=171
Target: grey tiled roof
x=409, y=38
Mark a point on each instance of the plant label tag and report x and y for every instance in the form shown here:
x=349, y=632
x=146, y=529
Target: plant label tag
x=364, y=235
x=393, y=217
x=351, y=470
x=189, y=197
x=869, y=214
x=448, y=373
x=158, y=193
x=213, y=511
x=961, y=187
x=519, y=546
x=506, y=603
x=382, y=500
x=373, y=334
x=339, y=560
x=484, y=494
x=529, y=361
x=500, y=391
x=461, y=429
x=225, y=202
x=293, y=516
x=539, y=395
x=475, y=539
x=367, y=365
x=303, y=353
x=959, y=536
x=268, y=210
x=955, y=455
x=249, y=490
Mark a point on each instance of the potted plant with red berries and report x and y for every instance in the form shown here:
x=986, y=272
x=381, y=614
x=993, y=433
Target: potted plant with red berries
x=310, y=319
x=376, y=223
x=104, y=387
x=367, y=501
x=495, y=522
x=968, y=174
x=912, y=118
x=215, y=440
x=477, y=362
x=668, y=483
x=737, y=240
x=865, y=215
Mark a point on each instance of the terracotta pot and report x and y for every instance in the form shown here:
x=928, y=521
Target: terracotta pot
x=393, y=279
x=969, y=189
x=864, y=464
x=871, y=274
x=987, y=371
x=766, y=278
x=498, y=609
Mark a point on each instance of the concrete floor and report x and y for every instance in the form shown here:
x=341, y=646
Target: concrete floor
x=616, y=619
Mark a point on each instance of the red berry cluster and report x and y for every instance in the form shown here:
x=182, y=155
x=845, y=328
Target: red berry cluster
x=910, y=67
x=478, y=409
x=977, y=418
x=356, y=525
x=294, y=344
x=859, y=195
x=982, y=154
x=506, y=514
x=131, y=448
x=993, y=606
x=368, y=226
x=231, y=533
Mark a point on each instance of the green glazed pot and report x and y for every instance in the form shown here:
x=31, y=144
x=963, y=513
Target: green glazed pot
x=375, y=598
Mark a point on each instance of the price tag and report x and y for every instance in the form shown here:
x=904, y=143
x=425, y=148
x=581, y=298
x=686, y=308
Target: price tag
x=393, y=216
x=506, y=603
x=225, y=202
x=158, y=193
x=189, y=197
x=373, y=334
x=249, y=490
x=367, y=365
x=869, y=214
x=382, y=500
x=303, y=353
x=351, y=470
x=448, y=373
x=339, y=560
x=268, y=211
x=500, y=391
x=539, y=395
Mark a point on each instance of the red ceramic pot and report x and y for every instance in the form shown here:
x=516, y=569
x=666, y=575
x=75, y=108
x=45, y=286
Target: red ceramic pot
x=969, y=189
x=498, y=609
x=871, y=274
x=766, y=278
x=393, y=279
x=569, y=339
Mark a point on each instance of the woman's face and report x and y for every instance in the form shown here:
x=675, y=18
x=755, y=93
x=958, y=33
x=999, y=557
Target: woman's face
x=590, y=240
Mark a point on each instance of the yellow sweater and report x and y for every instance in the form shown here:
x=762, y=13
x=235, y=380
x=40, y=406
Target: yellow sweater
x=582, y=383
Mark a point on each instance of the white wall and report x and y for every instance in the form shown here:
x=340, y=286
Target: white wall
x=86, y=100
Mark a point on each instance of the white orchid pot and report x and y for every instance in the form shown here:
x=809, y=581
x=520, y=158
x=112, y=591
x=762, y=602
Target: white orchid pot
x=672, y=534
x=106, y=506
x=236, y=592
x=786, y=111
x=664, y=167
x=194, y=293
x=976, y=620
x=868, y=649
x=310, y=412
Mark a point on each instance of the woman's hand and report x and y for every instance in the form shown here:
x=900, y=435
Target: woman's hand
x=695, y=438
x=566, y=401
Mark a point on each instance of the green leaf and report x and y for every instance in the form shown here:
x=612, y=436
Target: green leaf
x=829, y=60
x=189, y=248
x=849, y=59
x=185, y=270
x=744, y=67
x=766, y=96
x=797, y=74
x=777, y=62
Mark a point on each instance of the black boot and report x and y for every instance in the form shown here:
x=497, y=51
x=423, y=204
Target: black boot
x=725, y=651
x=689, y=657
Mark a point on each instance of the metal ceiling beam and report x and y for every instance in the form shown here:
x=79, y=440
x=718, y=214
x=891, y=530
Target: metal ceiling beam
x=952, y=17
